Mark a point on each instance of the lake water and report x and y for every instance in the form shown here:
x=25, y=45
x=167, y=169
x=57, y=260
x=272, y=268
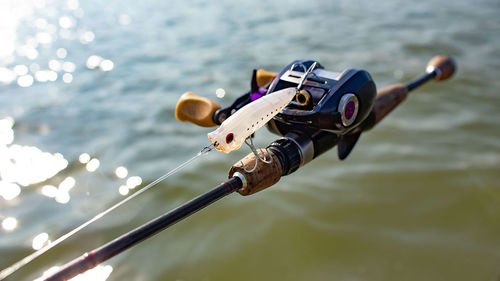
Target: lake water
x=87, y=97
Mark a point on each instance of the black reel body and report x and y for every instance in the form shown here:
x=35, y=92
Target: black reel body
x=326, y=101
x=326, y=111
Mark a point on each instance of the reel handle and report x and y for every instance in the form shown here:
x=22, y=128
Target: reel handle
x=204, y=111
x=196, y=109
x=264, y=77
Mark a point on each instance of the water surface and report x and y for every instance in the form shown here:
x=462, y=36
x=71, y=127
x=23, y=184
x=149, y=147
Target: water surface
x=419, y=198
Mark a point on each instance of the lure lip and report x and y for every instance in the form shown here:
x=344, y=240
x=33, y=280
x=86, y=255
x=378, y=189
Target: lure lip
x=217, y=145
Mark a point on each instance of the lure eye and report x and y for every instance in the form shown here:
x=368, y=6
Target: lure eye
x=229, y=138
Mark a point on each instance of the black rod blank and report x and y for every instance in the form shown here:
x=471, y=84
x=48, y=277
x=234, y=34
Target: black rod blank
x=420, y=80
x=93, y=258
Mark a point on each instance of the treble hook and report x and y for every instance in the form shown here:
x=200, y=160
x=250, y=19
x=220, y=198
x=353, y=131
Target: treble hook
x=257, y=156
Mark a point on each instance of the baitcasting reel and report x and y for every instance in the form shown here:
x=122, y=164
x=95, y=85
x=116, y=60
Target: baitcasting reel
x=325, y=101
x=326, y=110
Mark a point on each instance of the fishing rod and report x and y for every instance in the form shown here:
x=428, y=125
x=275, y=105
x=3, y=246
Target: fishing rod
x=324, y=110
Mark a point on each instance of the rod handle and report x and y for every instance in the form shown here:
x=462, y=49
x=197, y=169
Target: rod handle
x=196, y=109
x=264, y=176
x=443, y=65
x=386, y=101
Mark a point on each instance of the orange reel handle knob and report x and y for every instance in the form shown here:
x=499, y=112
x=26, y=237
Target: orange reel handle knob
x=196, y=109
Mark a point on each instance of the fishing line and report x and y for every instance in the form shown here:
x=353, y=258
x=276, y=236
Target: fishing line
x=11, y=269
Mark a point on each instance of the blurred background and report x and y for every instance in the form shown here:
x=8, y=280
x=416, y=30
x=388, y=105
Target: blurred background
x=87, y=97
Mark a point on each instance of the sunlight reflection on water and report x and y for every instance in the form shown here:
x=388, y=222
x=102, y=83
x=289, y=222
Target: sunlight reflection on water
x=27, y=166
x=46, y=29
x=133, y=182
x=49, y=191
x=93, y=165
x=84, y=158
x=9, y=224
x=121, y=172
x=99, y=273
x=9, y=190
x=40, y=240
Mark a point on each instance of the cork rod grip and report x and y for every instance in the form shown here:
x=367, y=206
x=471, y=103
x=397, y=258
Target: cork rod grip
x=264, y=176
x=387, y=100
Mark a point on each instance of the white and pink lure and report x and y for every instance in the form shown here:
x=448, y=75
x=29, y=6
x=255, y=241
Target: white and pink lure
x=233, y=132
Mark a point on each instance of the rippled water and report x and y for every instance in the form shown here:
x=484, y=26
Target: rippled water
x=87, y=95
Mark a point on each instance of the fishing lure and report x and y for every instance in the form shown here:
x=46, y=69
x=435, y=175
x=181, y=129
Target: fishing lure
x=233, y=132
